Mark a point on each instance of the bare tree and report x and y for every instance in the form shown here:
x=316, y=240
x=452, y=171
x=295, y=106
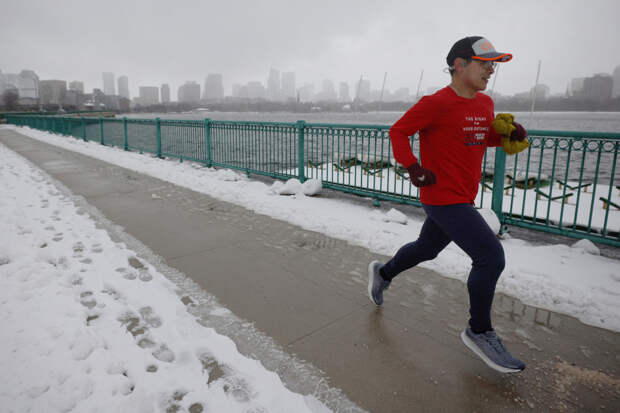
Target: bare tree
x=9, y=99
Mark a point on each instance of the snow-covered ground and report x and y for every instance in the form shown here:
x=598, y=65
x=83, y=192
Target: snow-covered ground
x=62, y=276
x=86, y=325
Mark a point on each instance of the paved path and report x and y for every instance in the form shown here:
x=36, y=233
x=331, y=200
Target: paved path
x=308, y=292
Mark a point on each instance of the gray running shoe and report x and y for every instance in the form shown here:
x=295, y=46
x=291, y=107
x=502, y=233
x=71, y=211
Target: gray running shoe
x=376, y=283
x=489, y=347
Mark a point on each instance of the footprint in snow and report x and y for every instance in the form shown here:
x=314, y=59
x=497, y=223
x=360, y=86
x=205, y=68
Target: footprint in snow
x=163, y=353
x=78, y=249
x=87, y=299
x=150, y=318
x=145, y=276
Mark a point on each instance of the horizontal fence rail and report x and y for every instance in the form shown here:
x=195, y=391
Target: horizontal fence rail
x=564, y=183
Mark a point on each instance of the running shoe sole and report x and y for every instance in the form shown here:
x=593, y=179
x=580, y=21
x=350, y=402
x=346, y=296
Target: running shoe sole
x=371, y=276
x=473, y=347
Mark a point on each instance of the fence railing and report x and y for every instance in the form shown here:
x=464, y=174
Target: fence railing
x=564, y=183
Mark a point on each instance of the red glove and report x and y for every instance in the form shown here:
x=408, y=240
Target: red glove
x=421, y=176
x=519, y=134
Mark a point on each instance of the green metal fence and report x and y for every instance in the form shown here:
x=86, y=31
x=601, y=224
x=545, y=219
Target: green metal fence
x=564, y=183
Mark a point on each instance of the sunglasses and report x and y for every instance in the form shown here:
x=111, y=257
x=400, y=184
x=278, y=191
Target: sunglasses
x=487, y=64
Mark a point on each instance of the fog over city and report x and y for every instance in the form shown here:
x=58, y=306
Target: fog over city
x=156, y=42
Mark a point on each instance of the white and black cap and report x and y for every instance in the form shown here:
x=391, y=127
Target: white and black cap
x=476, y=47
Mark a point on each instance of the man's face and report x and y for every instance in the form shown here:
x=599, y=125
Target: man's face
x=476, y=73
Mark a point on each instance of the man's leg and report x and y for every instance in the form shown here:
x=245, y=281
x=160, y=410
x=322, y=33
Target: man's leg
x=431, y=241
x=466, y=227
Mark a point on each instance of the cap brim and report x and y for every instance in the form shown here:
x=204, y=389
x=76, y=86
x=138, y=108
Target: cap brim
x=495, y=57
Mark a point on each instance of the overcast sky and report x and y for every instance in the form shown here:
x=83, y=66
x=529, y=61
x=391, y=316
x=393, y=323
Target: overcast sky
x=155, y=42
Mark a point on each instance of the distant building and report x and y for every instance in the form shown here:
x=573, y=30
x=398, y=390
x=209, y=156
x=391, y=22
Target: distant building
x=123, y=104
x=542, y=91
x=598, y=87
x=108, y=84
x=242, y=92
x=76, y=86
x=189, y=92
x=375, y=95
x=214, y=87
x=328, y=91
x=306, y=92
x=401, y=95
x=615, y=91
x=236, y=90
x=343, y=92
x=112, y=102
x=52, y=92
x=576, y=87
x=29, y=86
x=273, y=85
x=73, y=99
x=363, y=90
x=165, y=93
x=256, y=90
x=123, y=87
x=149, y=95
x=26, y=83
x=288, y=85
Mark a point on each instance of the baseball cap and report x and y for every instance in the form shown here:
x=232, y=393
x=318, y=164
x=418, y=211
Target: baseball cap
x=476, y=47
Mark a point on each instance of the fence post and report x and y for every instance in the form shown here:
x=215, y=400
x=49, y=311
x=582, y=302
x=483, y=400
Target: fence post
x=208, y=159
x=83, y=128
x=301, y=125
x=101, y=140
x=125, y=139
x=499, y=172
x=158, y=127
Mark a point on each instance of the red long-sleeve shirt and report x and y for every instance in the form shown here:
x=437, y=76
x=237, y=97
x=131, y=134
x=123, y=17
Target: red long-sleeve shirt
x=454, y=132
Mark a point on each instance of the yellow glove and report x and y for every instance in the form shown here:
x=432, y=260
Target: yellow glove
x=504, y=125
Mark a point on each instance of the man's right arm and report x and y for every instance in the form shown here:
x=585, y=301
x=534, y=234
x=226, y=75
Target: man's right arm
x=414, y=120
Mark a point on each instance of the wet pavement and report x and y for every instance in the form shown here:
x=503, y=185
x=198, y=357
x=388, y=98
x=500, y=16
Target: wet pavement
x=308, y=292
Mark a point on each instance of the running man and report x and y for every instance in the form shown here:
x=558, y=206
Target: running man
x=456, y=125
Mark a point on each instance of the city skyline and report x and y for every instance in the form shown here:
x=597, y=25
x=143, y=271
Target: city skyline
x=279, y=87
x=131, y=89
x=354, y=38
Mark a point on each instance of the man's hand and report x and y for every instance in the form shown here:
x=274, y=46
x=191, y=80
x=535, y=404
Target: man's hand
x=421, y=176
x=519, y=134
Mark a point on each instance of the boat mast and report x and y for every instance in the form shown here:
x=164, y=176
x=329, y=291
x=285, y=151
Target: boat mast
x=382, y=90
x=417, y=93
x=495, y=80
x=535, y=92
